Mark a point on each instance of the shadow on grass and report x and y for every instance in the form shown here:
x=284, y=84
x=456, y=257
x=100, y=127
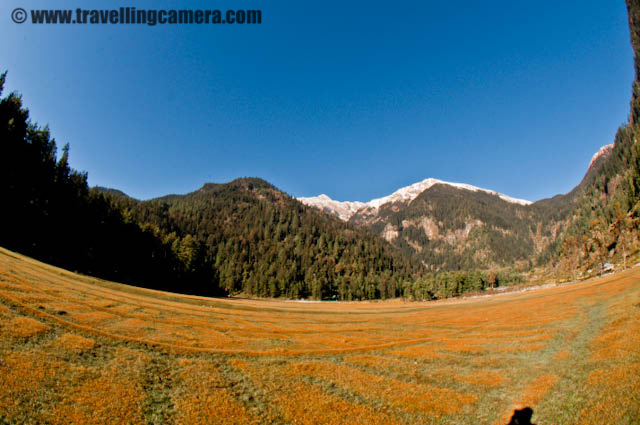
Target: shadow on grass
x=522, y=417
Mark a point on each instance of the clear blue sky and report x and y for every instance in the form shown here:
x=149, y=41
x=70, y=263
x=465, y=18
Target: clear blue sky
x=352, y=99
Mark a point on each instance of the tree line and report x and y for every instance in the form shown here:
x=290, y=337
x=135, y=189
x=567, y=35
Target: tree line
x=49, y=212
x=256, y=240
x=434, y=286
x=242, y=237
x=606, y=223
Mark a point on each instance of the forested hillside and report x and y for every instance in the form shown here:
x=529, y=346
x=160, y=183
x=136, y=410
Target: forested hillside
x=605, y=225
x=257, y=240
x=455, y=229
x=245, y=236
x=49, y=212
x=448, y=228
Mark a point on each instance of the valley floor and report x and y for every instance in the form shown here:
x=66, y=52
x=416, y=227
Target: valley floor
x=74, y=349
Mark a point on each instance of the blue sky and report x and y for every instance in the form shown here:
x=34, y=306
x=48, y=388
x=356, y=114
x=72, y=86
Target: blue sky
x=351, y=99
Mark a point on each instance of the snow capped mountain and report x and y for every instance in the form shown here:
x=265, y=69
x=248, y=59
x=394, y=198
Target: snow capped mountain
x=346, y=209
x=410, y=193
x=603, y=151
x=343, y=209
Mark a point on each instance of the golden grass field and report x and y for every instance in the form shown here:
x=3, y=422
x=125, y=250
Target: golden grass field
x=74, y=349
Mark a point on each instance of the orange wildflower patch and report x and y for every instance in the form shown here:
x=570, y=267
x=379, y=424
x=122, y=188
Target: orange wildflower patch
x=509, y=335
x=420, y=352
x=484, y=378
x=129, y=327
x=122, y=308
x=537, y=338
x=307, y=405
x=92, y=318
x=115, y=396
x=492, y=362
x=617, y=387
x=531, y=395
x=373, y=361
x=413, y=398
x=241, y=365
x=299, y=402
x=73, y=343
x=601, y=412
x=463, y=346
x=131, y=358
x=520, y=348
x=203, y=397
x=537, y=390
x=411, y=359
x=25, y=327
x=408, y=368
x=35, y=298
x=13, y=287
x=24, y=374
x=616, y=383
x=618, y=340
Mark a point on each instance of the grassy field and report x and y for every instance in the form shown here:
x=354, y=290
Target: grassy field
x=79, y=350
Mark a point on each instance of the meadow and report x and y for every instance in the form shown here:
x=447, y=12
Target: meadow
x=75, y=349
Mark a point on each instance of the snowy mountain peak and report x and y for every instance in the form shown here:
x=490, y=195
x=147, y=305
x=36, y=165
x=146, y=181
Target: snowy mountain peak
x=603, y=151
x=410, y=193
x=346, y=209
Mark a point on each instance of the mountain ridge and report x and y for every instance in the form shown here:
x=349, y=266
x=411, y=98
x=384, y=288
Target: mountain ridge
x=247, y=236
x=345, y=210
x=454, y=226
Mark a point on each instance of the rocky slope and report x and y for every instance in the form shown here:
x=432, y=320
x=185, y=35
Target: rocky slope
x=449, y=226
